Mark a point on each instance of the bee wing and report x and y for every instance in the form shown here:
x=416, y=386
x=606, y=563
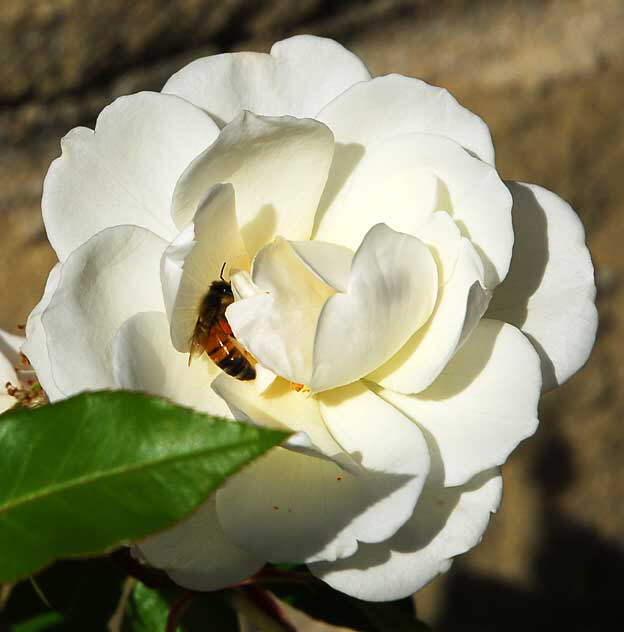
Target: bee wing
x=204, y=324
x=195, y=351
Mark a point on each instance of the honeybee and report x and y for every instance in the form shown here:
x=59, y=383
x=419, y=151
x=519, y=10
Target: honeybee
x=213, y=334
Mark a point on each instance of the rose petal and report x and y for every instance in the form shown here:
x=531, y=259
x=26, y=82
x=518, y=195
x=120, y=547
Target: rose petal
x=443, y=237
x=195, y=259
x=549, y=292
x=482, y=405
x=6, y=402
x=461, y=303
x=445, y=523
x=278, y=167
x=243, y=285
x=7, y=374
x=102, y=283
x=36, y=346
x=291, y=507
x=144, y=360
x=394, y=105
x=392, y=292
x=299, y=77
x=16, y=369
x=374, y=111
x=280, y=406
x=383, y=440
x=125, y=171
x=197, y=554
x=329, y=262
x=387, y=186
x=277, y=326
x=467, y=188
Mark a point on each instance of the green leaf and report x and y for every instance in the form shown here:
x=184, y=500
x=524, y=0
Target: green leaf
x=148, y=609
x=39, y=623
x=83, y=475
x=321, y=602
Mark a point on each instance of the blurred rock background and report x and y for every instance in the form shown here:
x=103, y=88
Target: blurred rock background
x=547, y=76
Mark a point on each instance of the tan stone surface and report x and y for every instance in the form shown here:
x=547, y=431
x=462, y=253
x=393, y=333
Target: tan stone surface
x=548, y=78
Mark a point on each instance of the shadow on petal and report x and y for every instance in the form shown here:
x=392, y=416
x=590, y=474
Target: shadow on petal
x=478, y=357
x=431, y=515
x=346, y=159
x=289, y=507
x=546, y=364
x=439, y=502
x=261, y=229
x=488, y=267
x=529, y=260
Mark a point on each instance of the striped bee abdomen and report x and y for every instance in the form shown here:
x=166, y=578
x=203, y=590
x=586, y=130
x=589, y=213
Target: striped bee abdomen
x=228, y=356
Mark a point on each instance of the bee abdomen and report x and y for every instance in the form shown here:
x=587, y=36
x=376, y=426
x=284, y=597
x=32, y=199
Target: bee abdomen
x=238, y=366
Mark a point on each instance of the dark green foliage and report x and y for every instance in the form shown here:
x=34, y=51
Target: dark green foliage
x=83, y=475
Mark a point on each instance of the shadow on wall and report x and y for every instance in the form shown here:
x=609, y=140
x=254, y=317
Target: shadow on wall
x=577, y=574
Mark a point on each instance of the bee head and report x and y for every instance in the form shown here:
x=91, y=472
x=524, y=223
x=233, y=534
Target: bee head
x=221, y=287
x=219, y=294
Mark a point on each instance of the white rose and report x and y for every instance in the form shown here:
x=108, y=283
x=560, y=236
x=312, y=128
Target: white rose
x=402, y=314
